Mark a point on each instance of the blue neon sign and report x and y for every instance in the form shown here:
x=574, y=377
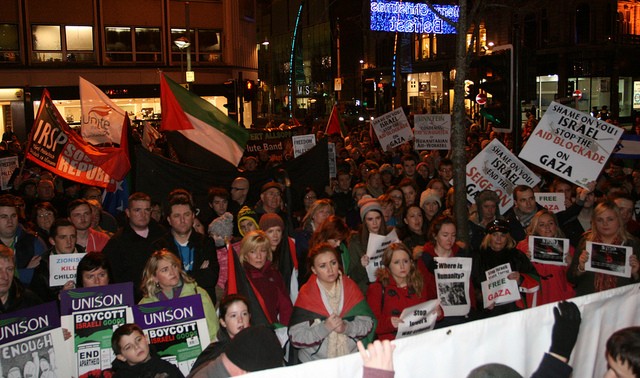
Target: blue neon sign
x=404, y=17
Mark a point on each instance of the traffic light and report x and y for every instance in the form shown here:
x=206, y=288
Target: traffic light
x=496, y=72
x=232, y=98
x=249, y=90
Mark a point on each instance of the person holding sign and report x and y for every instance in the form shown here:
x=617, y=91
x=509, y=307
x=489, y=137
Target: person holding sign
x=164, y=278
x=554, y=286
x=330, y=314
x=607, y=227
x=372, y=223
x=498, y=249
x=442, y=245
x=399, y=285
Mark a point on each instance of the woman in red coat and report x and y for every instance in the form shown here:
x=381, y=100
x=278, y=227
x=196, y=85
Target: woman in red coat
x=399, y=285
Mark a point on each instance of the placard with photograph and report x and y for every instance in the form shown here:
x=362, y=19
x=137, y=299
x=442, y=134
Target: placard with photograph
x=609, y=259
x=552, y=251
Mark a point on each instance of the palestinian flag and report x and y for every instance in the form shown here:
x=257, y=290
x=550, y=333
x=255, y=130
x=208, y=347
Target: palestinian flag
x=200, y=122
x=309, y=306
x=335, y=125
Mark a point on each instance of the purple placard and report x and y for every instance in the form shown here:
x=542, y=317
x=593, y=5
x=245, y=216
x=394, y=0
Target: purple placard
x=169, y=312
x=93, y=298
x=28, y=322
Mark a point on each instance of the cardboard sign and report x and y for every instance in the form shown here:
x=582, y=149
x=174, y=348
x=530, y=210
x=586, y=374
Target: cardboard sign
x=553, y=202
x=571, y=144
x=418, y=319
x=496, y=168
x=31, y=343
x=91, y=315
x=302, y=144
x=177, y=328
x=375, y=249
x=609, y=259
x=432, y=131
x=498, y=288
x=552, y=251
x=392, y=129
x=62, y=268
x=7, y=166
x=453, y=281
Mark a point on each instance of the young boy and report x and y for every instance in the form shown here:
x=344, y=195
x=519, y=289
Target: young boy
x=623, y=354
x=133, y=358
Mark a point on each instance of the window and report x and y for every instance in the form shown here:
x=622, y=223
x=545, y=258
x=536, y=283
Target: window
x=9, y=43
x=56, y=43
x=206, y=46
x=583, y=24
x=127, y=44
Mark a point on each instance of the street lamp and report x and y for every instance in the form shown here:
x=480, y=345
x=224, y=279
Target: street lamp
x=182, y=43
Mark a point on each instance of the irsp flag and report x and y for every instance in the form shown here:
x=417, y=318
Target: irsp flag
x=201, y=122
x=57, y=148
x=102, y=120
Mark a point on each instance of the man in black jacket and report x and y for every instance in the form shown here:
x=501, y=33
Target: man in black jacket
x=196, y=251
x=129, y=249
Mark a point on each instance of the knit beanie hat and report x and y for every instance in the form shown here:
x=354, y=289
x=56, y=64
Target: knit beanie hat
x=269, y=220
x=368, y=204
x=247, y=213
x=429, y=195
x=255, y=348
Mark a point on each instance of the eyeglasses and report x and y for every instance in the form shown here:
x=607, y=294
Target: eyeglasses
x=44, y=215
x=234, y=188
x=311, y=197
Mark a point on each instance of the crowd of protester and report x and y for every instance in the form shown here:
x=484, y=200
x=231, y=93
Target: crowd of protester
x=306, y=259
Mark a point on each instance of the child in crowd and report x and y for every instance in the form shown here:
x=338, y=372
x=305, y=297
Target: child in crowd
x=133, y=357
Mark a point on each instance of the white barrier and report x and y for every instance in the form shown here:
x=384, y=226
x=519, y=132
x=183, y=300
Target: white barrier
x=518, y=340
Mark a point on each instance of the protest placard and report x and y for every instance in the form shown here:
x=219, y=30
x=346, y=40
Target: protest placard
x=496, y=168
x=91, y=315
x=418, y=319
x=432, y=131
x=32, y=344
x=375, y=248
x=552, y=251
x=452, y=281
x=62, y=268
x=571, y=144
x=498, y=289
x=303, y=143
x=553, y=202
x=392, y=129
x=333, y=165
x=7, y=166
x=609, y=259
x=177, y=328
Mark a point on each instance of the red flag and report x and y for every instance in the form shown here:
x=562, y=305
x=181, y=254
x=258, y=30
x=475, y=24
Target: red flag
x=295, y=122
x=334, y=126
x=57, y=148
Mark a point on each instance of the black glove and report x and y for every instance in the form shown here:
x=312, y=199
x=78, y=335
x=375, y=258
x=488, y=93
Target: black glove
x=429, y=262
x=565, y=329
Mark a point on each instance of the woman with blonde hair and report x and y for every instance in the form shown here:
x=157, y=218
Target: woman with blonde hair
x=266, y=280
x=398, y=285
x=554, y=286
x=607, y=227
x=163, y=279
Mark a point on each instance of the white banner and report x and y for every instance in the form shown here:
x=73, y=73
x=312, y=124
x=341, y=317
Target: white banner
x=519, y=340
x=553, y=202
x=62, y=268
x=7, y=166
x=302, y=143
x=333, y=165
x=392, y=129
x=609, y=259
x=452, y=281
x=375, y=248
x=552, y=251
x=571, y=144
x=432, y=131
x=496, y=168
x=418, y=319
x=498, y=289
x=102, y=119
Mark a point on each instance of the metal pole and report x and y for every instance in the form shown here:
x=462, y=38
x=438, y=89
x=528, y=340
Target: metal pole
x=186, y=24
x=338, y=54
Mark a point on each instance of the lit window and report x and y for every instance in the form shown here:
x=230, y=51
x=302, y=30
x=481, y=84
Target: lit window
x=9, y=43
